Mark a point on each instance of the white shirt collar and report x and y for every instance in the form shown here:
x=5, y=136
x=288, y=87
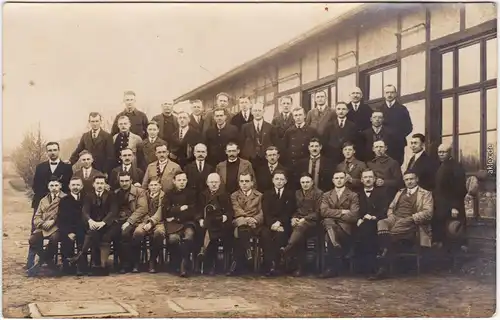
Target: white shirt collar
x=152, y=140
x=273, y=166
x=153, y=195
x=412, y=190
x=127, y=166
x=300, y=126
x=221, y=127
x=53, y=196
x=278, y=191
x=75, y=195
x=339, y=191
x=390, y=104
x=417, y=155
x=96, y=132
x=232, y=161
x=376, y=130
x=99, y=193
x=342, y=120
x=248, y=193
x=162, y=163
x=286, y=114
x=321, y=108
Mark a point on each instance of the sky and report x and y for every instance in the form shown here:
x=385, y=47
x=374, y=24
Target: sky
x=62, y=61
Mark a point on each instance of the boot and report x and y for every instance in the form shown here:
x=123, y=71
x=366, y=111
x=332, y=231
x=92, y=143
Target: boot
x=73, y=260
x=272, y=270
x=152, y=266
x=233, y=269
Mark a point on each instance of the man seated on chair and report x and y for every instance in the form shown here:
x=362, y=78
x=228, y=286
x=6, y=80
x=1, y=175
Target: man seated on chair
x=180, y=209
x=278, y=206
x=99, y=212
x=304, y=221
x=373, y=203
x=410, y=212
x=150, y=225
x=87, y=173
x=46, y=227
x=248, y=220
x=339, y=212
x=215, y=217
x=70, y=223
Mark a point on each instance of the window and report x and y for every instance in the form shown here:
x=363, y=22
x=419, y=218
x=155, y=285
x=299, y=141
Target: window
x=269, y=113
x=417, y=115
x=447, y=66
x=308, y=97
x=469, y=71
x=345, y=86
x=378, y=79
x=491, y=59
x=413, y=70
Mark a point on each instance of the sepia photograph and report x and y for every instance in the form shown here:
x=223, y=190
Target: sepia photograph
x=258, y=160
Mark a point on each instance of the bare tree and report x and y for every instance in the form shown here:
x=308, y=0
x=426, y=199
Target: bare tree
x=29, y=154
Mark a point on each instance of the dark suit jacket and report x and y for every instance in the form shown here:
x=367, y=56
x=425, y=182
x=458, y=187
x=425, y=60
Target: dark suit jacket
x=278, y=209
x=450, y=190
x=398, y=119
x=425, y=168
x=252, y=145
x=197, y=180
x=376, y=205
x=385, y=134
x=101, y=148
x=263, y=177
x=282, y=125
x=354, y=169
x=166, y=130
x=138, y=123
x=146, y=152
x=238, y=120
x=172, y=203
x=295, y=144
x=107, y=211
x=216, y=141
x=182, y=151
x=360, y=118
x=69, y=218
x=332, y=206
x=136, y=175
x=42, y=176
x=87, y=183
x=326, y=168
x=213, y=220
x=334, y=137
x=198, y=126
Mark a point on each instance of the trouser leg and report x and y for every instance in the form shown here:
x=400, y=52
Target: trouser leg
x=157, y=241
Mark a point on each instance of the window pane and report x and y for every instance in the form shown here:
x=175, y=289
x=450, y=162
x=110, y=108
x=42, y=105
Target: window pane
x=333, y=94
x=447, y=140
x=269, y=113
x=376, y=86
x=468, y=64
x=491, y=108
x=491, y=152
x=447, y=72
x=412, y=73
x=491, y=59
x=417, y=115
x=391, y=77
x=447, y=116
x=469, y=112
x=345, y=86
x=468, y=154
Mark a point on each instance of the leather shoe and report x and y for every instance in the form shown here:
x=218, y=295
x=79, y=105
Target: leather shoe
x=183, y=271
x=232, y=269
x=135, y=269
x=298, y=272
x=329, y=273
x=381, y=274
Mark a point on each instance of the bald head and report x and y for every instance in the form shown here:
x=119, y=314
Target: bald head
x=444, y=151
x=356, y=94
x=213, y=182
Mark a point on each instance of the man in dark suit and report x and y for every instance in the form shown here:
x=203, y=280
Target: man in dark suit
x=166, y=121
x=43, y=172
x=284, y=120
x=183, y=140
x=359, y=112
x=421, y=163
x=449, y=195
x=198, y=170
x=245, y=115
x=196, y=118
x=339, y=213
x=218, y=136
x=99, y=143
x=296, y=139
x=378, y=131
x=146, y=150
x=263, y=174
x=70, y=222
x=278, y=206
x=221, y=102
x=351, y=166
x=128, y=165
x=397, y=117
x=86, y=173
x=341, y=130
x=256, y=136
x=387, y=170
x=319, y=167
x=373, y=203
x=138, y=119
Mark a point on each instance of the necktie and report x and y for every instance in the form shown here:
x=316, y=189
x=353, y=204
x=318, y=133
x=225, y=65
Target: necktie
x=313, y=171
x=279, y=194
x=200, y=169
x=258, y=127
x=94, y=134
x=180, y=134
x=271, y=169
x=368, y=192
x=99, y=199
x=85, y=174
x=51, y=198
x=412, y=162
x=53, y=163
x=246, y=116
x=342, y=123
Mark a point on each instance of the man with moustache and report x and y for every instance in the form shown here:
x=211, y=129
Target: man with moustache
x=196, y=119
x=70, y=223
x=422, y=163
x=378, y=131
x=221, y=102
x=137, y=118
x=198, y=170
x=359, y=112
x=321, y=116
x=218, y=136
x=216, y=216
x=256, y=136
x=351, y=166
x=296, y=139
x=397, y=117
x=87, y=173
x=183, y=140
x=125, y=138
x=284, y=120
x=245, y=115
x=265, y=172
x=387, y=170
x=230, y=169
x=99, y=143
x=167, y=124
x=146, y=150
x=341, y=131
x=129, y=166
x=162, y=170
x=320, y=168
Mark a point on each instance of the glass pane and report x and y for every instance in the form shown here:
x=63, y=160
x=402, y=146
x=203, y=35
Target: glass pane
x=376, y=86
x=333, y=94
x=468, y=64
x=345, y=86
x=491, y=108
x=468, y=151
x=447, y=116
x=269, y=113
x=491, y=152
x=391, y=77
x=469, y=112
x=491, y=59
x=447, y=140
x=417, y=115
x=447, y=72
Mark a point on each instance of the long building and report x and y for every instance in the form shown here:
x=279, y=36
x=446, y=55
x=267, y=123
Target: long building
x=441, y=57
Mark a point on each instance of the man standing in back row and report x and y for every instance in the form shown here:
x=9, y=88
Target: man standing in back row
x=138, y=119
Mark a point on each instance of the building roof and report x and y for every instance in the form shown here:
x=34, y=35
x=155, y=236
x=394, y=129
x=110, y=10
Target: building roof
x=273, y=53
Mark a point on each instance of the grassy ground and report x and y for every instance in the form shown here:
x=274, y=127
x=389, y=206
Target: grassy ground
x=430, y=295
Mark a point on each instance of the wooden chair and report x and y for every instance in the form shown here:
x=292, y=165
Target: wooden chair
x=415, y=252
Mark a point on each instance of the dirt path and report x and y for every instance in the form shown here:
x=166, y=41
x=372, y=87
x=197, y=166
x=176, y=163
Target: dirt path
x=429, y=295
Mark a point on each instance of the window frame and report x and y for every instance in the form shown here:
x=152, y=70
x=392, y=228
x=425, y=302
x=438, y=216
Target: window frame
x=365, y=76
x=308, y=94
